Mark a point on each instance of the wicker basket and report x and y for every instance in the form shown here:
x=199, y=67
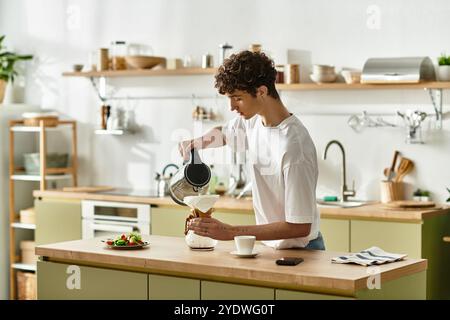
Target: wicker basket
x=26, y=286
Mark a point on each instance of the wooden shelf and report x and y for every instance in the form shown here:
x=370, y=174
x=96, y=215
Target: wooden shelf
x=24, y=266
x=36, y=177
x=20, y=225
x=38, y=129
x=362, y=86
x=143, y=72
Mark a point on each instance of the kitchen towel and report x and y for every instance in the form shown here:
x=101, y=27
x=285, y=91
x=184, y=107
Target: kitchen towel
x=369, y=257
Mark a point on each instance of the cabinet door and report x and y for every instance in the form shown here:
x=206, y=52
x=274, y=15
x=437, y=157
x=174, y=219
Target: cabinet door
x=57, y=220
x=235, y=218
x=227, y=291
x=336, y=234
x=72, y=282
x=172, y=288
x=396, y=237
x=281, y=294
x=168, y=222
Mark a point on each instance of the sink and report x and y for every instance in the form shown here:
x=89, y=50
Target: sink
x=346, y=204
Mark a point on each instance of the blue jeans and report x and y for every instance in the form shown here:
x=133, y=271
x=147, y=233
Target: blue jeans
x=317, y=243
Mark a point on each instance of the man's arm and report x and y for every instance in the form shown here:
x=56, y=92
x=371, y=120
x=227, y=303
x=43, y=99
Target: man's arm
x=214, y=138
x=213, y=228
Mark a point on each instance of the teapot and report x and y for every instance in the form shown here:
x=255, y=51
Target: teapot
x=191, y=179
x=163, y=180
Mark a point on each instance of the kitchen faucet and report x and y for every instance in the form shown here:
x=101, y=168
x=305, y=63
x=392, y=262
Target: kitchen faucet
x=345, y=192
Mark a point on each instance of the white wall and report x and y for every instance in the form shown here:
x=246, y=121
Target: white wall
x=337, y=32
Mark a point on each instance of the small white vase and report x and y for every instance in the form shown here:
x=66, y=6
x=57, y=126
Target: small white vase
x=444, y=73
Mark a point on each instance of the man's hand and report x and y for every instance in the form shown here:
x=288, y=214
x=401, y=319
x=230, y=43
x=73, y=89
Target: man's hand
x=212, y=228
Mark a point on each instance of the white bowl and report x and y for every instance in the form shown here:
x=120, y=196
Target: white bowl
x=351, y=76
x=323, y=78
x=323, y=69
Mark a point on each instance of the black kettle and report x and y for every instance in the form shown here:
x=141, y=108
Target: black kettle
x=192, y=179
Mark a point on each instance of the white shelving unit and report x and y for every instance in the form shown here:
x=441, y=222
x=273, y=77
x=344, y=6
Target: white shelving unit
x=31, y=177
x=20, y=225
x=24, y=266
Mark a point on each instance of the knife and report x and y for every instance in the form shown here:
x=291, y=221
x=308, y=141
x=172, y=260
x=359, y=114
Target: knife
x=392, y=168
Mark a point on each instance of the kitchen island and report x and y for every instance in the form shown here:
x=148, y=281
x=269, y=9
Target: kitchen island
x=168, y=269
x=418, y=233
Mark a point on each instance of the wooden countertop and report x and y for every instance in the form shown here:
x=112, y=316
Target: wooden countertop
x=374, y=211
x=171, y=256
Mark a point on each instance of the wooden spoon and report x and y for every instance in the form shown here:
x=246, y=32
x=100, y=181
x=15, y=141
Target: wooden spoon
x=404, y=168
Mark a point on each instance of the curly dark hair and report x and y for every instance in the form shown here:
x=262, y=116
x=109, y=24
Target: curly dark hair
x=247, y=71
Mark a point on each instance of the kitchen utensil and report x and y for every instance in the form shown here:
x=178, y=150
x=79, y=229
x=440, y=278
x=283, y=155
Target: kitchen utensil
x=323, y=78
x=223, y=52
x=144, y=62
x=413, y=120
x=410, y=204
x=351, y=76
x=203, y=208
x=391, y=191
x=391, y=173
x=190, y=180
x=163, y=180
x=386, y=172
x=405, y=167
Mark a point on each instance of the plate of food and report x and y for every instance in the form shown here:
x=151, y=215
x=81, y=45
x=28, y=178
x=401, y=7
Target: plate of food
x=126, y=242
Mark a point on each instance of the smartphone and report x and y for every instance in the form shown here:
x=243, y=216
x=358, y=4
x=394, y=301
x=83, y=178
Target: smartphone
x=289, y=261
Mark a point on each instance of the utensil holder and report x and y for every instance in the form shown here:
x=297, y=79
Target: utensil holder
x=391, y=191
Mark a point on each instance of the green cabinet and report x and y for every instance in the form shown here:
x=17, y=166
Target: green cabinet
x=212, y=290
x=336, y=234
x=396, y=237
x=171, y=222
x=72, y=282
x=57, y=220
x=281, y=294
x=417, y=240
x=172, y=288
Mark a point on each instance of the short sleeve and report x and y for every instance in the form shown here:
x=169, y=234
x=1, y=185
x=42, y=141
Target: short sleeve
x=300, y=181
x=235, y=134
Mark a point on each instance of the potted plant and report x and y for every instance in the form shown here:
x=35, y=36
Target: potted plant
x=421, y=195
x=7, y=68
x=444, y=67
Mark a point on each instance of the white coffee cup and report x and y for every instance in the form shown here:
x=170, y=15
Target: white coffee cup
x=244, y=244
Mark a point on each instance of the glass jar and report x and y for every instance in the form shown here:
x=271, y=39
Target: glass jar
x=280, y=74
x=119, y=50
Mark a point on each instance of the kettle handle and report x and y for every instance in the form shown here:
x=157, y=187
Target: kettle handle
x=195, y=157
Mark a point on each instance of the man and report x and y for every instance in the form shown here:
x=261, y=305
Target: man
x=283, y=163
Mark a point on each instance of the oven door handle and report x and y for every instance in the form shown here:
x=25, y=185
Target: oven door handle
x=113, y=228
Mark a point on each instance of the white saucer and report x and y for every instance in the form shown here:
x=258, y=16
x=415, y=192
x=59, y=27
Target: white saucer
x=202, y=249
x=245, y=255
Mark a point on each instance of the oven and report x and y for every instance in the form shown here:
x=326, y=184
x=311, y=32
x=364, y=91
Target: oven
x=108, y=218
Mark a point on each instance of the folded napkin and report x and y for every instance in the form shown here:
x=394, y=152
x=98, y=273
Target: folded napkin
x=369, y=257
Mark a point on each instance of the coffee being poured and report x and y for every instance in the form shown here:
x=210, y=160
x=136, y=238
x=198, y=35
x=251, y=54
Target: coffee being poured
x=202, y=208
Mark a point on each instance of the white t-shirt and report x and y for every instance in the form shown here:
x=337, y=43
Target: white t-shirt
x=282, y=165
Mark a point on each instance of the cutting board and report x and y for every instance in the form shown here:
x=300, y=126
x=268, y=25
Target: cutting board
x=410, y=204
x=88, y=189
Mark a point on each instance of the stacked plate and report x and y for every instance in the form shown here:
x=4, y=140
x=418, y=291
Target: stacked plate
x=323, y=74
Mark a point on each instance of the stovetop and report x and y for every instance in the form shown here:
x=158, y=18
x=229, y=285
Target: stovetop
x=146, y=193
